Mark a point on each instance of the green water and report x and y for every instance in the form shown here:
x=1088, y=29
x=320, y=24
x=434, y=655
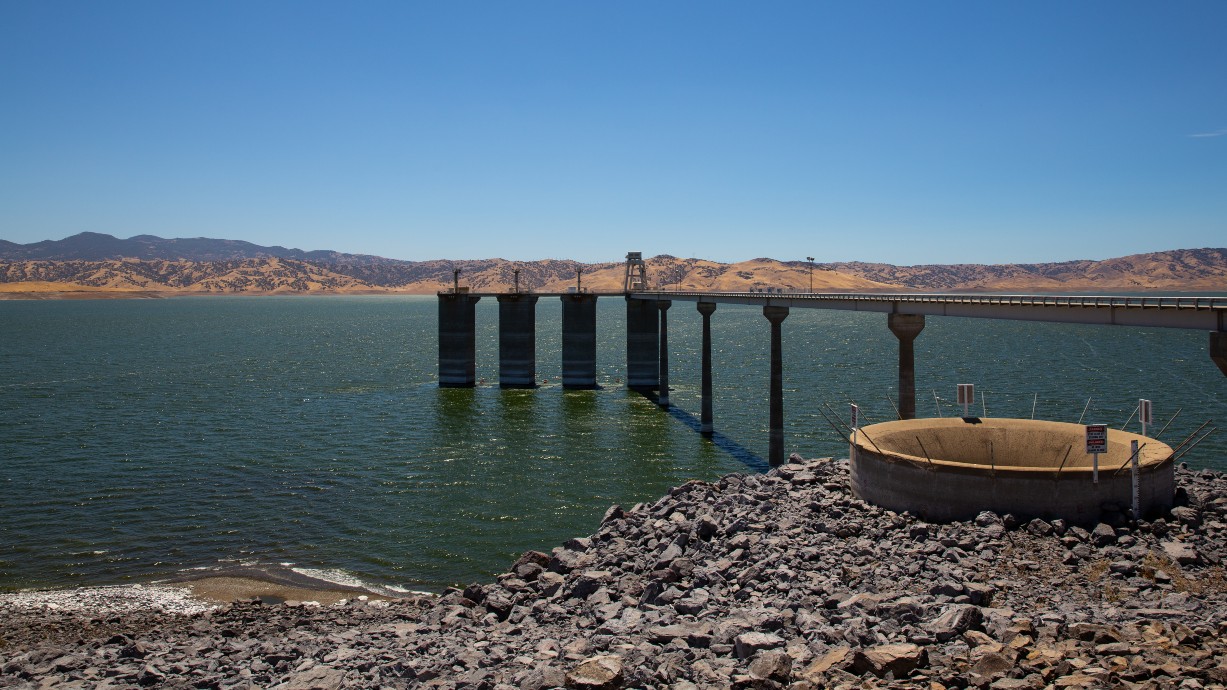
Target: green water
x=140, y=439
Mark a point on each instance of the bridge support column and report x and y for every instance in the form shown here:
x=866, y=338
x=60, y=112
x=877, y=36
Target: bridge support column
x=579, y=341
x=705, y=418
x=775, y=438
x=1218, y=349
x=517, y=341
x=662, y=398
x=906, y=327
x=642, y=345
x=457, y=341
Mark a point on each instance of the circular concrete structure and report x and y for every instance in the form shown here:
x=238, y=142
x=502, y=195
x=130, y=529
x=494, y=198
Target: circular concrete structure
x=953, y=468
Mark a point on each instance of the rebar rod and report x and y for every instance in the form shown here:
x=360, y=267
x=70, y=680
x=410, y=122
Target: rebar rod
x=896, y=409
x=1169, y=423
x=1129, y=459
x=1062, y=465
x=1190, y=436
x=925, y=451
x=1186, y=450
x=1084, y=409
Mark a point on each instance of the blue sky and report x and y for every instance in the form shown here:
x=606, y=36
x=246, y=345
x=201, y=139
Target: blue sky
x=903, y=132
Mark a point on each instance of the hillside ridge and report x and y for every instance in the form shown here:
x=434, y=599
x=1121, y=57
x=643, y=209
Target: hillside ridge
x=95, y=262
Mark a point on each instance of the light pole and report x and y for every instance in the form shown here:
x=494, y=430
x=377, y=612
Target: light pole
x=810, y=259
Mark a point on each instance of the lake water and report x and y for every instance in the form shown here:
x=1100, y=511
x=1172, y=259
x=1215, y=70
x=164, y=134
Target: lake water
x=143, y=438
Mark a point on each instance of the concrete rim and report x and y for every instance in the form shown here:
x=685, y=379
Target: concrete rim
x=890, y=437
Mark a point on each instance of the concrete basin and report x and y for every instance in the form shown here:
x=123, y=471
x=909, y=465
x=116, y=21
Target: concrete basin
x=953, y=468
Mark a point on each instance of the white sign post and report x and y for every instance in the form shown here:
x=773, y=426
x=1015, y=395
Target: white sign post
x=967, y=396
x=1145, y=414
x=1096, y=443
x=1137, y=498
x=856, y=413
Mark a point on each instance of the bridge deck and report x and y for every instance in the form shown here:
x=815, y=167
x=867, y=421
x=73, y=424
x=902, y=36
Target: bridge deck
x=1200, y=313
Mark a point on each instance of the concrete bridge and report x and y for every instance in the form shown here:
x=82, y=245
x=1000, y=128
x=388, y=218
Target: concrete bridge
x=647, y=332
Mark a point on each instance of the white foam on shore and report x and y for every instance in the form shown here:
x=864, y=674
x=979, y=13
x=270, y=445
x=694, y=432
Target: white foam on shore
x=336, y=577
x=108, y=600
x=347, y=579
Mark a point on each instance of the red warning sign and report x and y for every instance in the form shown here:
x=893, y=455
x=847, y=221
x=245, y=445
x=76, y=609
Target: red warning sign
x=1096, y=438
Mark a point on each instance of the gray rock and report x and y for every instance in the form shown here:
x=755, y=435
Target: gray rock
x=1181, y=552
x=597, y=673
x=747, y=644
x=773, y=664
x=954, y=620
x=1103, y=535
x=898, y=659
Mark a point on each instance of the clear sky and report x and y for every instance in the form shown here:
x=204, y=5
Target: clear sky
x=905, y=132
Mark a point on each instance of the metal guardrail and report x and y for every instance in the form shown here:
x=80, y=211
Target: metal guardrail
x=1189, y=312
x=1098, y=301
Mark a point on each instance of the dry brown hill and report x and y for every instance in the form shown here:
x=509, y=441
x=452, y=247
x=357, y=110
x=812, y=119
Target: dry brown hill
x=1176, y=270
x=245, y=276
x=1203, y=270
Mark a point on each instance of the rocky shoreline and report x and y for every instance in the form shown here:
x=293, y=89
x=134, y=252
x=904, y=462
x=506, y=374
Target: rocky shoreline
x=763, y=581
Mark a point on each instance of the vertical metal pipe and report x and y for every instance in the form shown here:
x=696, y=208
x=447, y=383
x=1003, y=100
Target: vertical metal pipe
x=906, y=327
x=662, y=398
x=775, y=438
x=705, y=420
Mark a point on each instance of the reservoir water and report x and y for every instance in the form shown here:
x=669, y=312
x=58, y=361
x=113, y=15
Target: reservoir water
x=143, y=438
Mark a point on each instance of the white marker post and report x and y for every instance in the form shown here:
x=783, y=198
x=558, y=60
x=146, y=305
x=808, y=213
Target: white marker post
x=856, y=414
x=967, y=396
x=1137, y=497
x=1096, y=443
x=1145, y=414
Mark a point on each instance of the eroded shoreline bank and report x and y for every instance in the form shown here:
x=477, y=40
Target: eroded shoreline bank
x=772, y=580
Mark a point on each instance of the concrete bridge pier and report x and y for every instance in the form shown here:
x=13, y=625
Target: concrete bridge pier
x=1218, y=349
x=517, y=341
x=579, y=341
x=642, y=345
x=775, y=437
x=906, y=327
x=457, y=341
x=662, y=398
x=705, y=418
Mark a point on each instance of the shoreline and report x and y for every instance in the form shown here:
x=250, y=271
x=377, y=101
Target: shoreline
x=768, y=581
x=194, y=592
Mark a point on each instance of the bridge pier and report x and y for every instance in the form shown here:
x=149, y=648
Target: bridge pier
x=1218, y=349
x=579, y=341
x=662, y=398
x=457, y=340
x=642, y=345
x=705, y=418
x=775, y=435
x=517, y=341
x=906, y=327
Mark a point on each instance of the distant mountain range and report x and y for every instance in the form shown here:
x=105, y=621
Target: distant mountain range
x=94, y=264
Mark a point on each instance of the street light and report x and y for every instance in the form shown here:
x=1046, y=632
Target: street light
x=810, y=259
